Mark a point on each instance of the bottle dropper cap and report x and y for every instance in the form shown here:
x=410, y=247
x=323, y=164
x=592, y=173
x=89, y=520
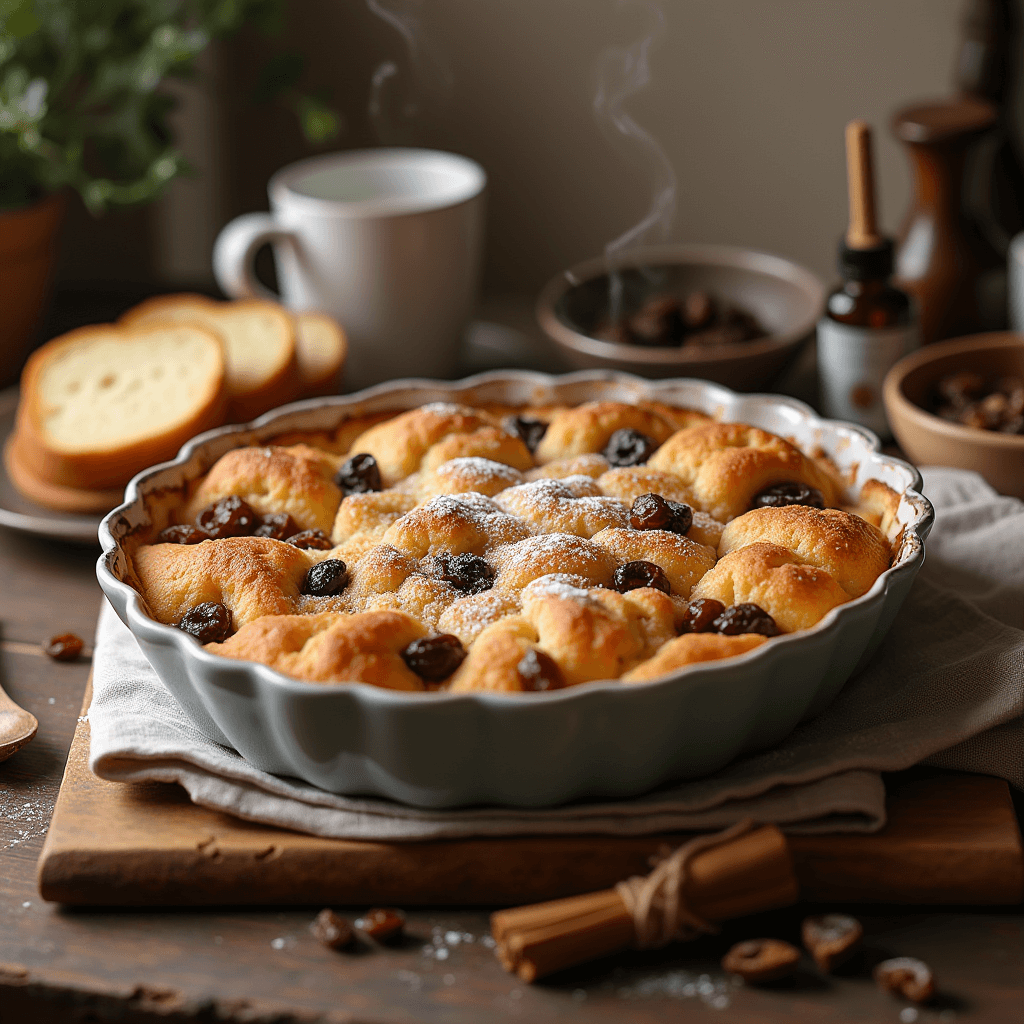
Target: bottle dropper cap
x=863, y=252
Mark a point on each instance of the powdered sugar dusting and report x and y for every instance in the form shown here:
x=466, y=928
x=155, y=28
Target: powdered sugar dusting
x=477, y=468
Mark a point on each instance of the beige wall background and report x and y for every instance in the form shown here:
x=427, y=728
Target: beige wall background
x=747, y=100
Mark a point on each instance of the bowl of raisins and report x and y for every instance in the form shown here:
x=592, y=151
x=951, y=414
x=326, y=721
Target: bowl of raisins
x=733, y=316
x=961, y=403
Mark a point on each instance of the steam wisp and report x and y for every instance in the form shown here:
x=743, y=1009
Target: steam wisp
x=395, y=121
x=623, y=72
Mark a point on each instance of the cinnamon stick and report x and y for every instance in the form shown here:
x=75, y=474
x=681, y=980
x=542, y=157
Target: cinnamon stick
x=862, y=232
x=744, y=875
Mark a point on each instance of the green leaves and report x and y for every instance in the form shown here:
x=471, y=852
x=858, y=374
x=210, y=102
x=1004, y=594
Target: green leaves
x=80, y=98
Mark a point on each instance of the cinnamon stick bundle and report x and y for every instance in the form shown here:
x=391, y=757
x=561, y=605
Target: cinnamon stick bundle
x=740, y=871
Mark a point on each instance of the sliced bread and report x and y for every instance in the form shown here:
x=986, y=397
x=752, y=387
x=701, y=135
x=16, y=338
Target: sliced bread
x=62, y=499
x=321, y=349
x=259, y=343
x=103, y=402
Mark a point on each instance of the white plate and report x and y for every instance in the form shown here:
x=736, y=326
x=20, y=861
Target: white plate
x=18, y=513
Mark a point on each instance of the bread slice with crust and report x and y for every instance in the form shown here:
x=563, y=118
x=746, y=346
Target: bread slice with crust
x=321, y=348
x=259, y=344
x=101, y=403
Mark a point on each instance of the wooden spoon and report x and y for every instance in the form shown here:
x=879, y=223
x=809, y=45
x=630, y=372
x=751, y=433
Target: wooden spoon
x=17, y=726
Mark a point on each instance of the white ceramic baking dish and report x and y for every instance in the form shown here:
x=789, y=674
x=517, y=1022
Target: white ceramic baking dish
x=600, y=739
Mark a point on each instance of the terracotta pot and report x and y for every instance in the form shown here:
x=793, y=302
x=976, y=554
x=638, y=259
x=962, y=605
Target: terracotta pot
x=28, y=246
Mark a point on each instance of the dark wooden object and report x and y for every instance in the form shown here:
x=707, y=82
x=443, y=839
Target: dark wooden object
x=943, y=259
x=987, y=68
x=949, y=840
x=262, y=965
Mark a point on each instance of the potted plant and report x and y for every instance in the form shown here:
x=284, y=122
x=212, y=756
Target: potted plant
x=81, y=107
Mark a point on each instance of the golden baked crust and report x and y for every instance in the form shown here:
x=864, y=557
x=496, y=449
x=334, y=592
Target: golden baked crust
x=364, y=648
x=404, y=445
x=298, y=480
x=773, y=577
x=588, y=427
x=252, y=576
x=526, y=561
x=726, y=464
x=849, y=548
x=691, y=649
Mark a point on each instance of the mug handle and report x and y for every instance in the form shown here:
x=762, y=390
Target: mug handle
x=234, y=254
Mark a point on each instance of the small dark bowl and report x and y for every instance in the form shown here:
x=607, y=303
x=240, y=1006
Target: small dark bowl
x=929, y=440
x=784, y=297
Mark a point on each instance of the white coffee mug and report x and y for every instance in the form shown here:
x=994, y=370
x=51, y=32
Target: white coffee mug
x=387, y=241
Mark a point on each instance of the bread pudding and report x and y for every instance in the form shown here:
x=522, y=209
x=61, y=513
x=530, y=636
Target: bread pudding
x=506, y=549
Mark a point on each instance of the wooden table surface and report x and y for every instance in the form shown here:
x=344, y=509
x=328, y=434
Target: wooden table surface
x=263, y=965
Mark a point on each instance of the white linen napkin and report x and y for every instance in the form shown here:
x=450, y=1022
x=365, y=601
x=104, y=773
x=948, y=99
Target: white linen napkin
x=946, y=687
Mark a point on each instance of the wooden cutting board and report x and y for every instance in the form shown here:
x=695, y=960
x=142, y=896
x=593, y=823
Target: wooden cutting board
x=950, y=839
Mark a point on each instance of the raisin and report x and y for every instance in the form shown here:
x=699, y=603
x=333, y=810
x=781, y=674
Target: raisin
x=228, y=517
x=332, y=931
x=745, y=618
x=907, y=977
x=637, y=574
x=792, y=492
x=434, y=657
x=384, y=925
x=653, y=512
x=699, y=615
x=470, y=573
x=326, y=578
x=315, y=540
x=209, y=622
x=761, y=960
x=185, y=533
x=659, y=321
x=530, y=432
x=359, y=475
x=629, y=448
x=277, y=526
x=831, y=939
x=539, y=671
x=66, y=647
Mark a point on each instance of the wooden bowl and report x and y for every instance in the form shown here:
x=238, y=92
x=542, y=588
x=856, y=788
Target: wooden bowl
x=932, y=441
x=785, y=298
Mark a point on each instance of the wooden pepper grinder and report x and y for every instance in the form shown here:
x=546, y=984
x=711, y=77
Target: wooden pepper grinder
x=986, y=69
x=943, y=259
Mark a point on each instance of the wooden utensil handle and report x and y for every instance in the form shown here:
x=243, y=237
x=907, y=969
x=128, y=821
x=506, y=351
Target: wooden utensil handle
x=863, y=230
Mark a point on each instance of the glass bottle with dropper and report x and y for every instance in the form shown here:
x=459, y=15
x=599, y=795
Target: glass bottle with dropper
x=869, y=323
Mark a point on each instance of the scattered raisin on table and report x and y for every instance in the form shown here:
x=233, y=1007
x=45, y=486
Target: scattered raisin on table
x=228, y=517
x=326, y=578
x=699, y=615
x=359, y=475
x=331, y=930
x=65, y=647
x=183, y=533
x=310, y=540
x=209, y=622
x=831, y=939
x=434, y=658
x=629, y=447
x=539, y=671
x=791, y=492
x=907, y=977
x=653, y=512
x=384, y=924
x=469, y=573
x=277, y=526
x=530, y=432
x=634, y=575
x=745, y=618
x=761, y=960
